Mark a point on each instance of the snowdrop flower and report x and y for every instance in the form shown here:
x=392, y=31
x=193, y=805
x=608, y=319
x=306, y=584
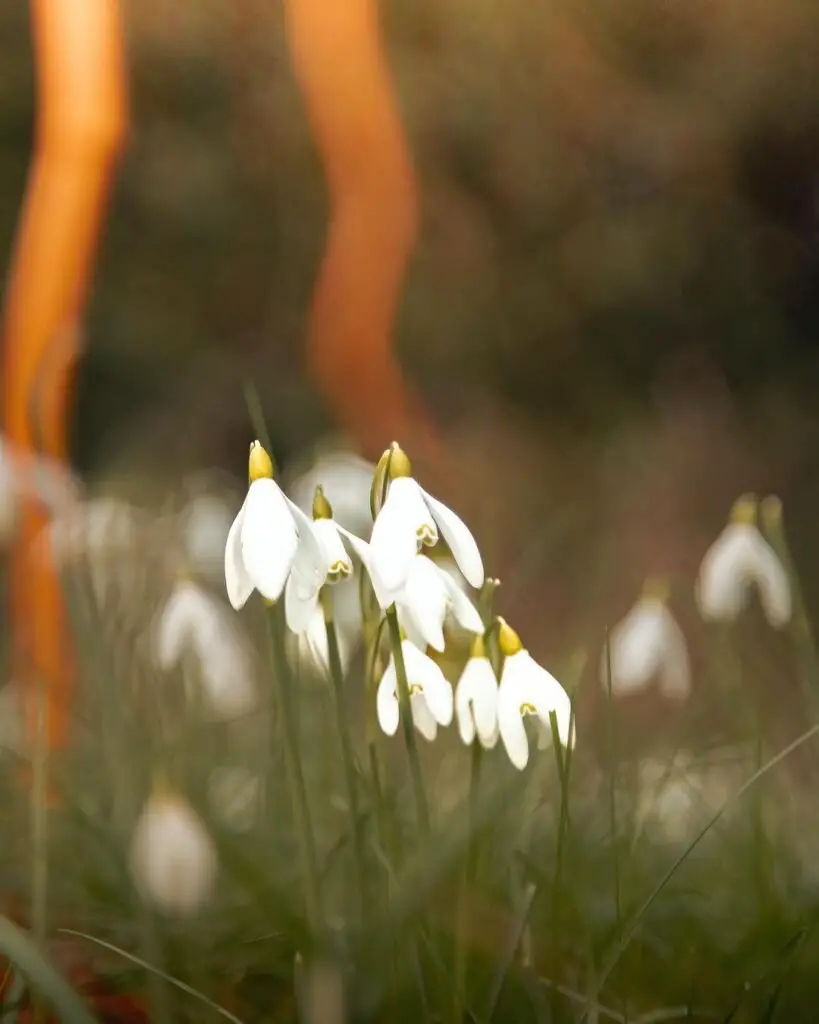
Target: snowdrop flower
x=234, y=794
x=301, y=597
x=648, y=643
x=311, y=645
x=408, y=521
x=427, y=598
x=526, y=688
x=739, y=560
x=269, y=536
x=476, y=699
x=192, y=620
x=173, y=859
x=430, y=694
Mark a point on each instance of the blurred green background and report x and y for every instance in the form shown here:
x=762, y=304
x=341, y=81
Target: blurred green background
x=612, y=307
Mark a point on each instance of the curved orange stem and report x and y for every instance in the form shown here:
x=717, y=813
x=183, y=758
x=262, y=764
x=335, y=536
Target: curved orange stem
x=81, y=124
x=337, y=53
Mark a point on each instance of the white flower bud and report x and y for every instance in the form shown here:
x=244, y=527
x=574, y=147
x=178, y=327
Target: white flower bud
x=173, y=859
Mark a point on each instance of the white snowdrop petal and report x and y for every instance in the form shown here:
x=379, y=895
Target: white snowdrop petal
x=423, y=718
x=238, y=583
x=424, y=600
x=636, y=646
x=394, y=540
x=539, y=688
x=386, y=701
x=301, y=599
x=423, y=671
x=173, y=859
x=773, y=585
x=476, y=702
x=268, y=537
x=363, y=551
x=510, y=722
x=675, y=672
x=334, y=554
x=310, y=555
x=726, y=572
x=460, y=540
x=406, y=620
x=463, y=610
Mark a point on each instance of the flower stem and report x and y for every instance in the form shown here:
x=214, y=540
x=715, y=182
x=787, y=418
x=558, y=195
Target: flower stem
x=293, y=766
x=422, y=807
x=467, y=884
x=39, y=832
x=347, y=753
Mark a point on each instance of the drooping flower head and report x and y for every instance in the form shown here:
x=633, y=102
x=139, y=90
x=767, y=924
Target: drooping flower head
x=739, y=561
x=527, y=689
x=647, y=644
x=430, y=694
x=407, y=519
x=303, y=589
x=476, y=699
x=269, y=537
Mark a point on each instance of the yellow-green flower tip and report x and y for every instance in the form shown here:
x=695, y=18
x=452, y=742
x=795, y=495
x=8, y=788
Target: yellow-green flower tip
x=398, y=464
x=744, y=509
x=656, y=588
x=268, y=602
x=771, y=511
x=509, y=642
x=322, y=509
x=378, y=486
x=259, y=463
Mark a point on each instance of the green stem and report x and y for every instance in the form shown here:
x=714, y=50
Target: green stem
x=347, y=752
x=612, y=759
x=422, y=807
x=293, y=767
x=467, y=884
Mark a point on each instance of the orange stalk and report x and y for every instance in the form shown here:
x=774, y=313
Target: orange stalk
x=337, y=54
x=81, y=125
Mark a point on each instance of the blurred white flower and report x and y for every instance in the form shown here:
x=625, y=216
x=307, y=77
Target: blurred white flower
x=301, y=596
x=23, y=474
x=206, y=522
x=476, y=701
x=428, y=596
x=269, y=536
x=430, y=694
x=311, y=645
x=173, y=859
x=678, y=796
x=410, y=520
x=233, y=792
x=647, y=644
x=346, y=479
x=525, y=689
x=739, y=560
x=193, y=620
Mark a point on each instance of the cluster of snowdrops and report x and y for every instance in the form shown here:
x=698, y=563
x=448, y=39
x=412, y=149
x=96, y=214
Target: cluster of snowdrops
x=296, y=562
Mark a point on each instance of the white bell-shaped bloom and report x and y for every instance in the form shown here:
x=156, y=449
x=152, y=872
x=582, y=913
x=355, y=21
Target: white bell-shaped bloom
x=525, y=689
x=428, y=596
x=233, y=792
x=312, y=647
x=409, y=520
x=476, y=701
x=173, y=859
x=648, y=644
x=738, y=561
x=301, y=597
x=268, y=536
x=430, y=694
x=193, y=621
